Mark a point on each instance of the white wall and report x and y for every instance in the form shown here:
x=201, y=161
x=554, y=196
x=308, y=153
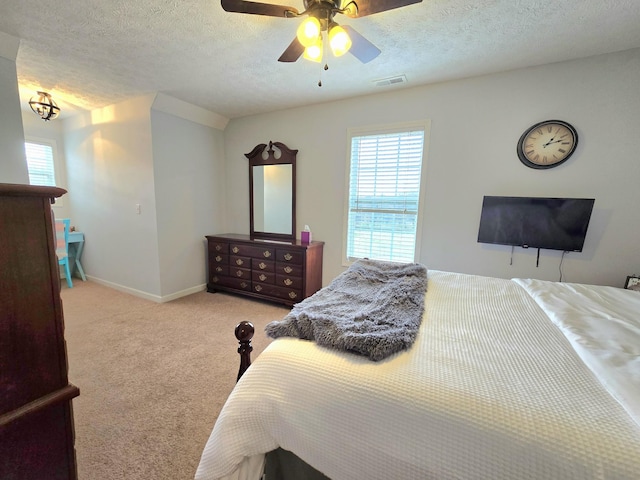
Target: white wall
x=188, y=165
x=116, y=155
x=13, y=164
x=134, y=154
x=157, y=152
x=475, y=125
x=110, y=171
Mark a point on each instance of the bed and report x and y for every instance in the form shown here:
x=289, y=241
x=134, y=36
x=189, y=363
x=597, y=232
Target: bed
x=506, y=379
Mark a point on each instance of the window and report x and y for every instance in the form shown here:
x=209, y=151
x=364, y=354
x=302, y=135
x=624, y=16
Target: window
x=384, y=195
x=40, y=163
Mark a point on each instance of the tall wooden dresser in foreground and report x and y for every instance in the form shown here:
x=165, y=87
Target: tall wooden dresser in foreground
x=278, y=271
x=36, y=417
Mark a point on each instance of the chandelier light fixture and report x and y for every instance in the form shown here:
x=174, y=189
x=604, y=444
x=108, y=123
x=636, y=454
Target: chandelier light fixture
x=44, y=106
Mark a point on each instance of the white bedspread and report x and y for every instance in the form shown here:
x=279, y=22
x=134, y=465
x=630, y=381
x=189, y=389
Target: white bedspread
x=490, y=390
x=603, y=325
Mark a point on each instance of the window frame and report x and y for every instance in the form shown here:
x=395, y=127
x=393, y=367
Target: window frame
x=425, y=126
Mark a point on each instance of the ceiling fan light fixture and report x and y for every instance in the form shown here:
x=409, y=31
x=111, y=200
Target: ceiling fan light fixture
x=314, y=52
x=339, y=40
x=320, y=14
x=44, y=106
x=308, y=31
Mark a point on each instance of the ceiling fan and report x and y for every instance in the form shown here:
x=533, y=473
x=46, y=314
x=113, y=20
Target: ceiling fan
x=309, y=39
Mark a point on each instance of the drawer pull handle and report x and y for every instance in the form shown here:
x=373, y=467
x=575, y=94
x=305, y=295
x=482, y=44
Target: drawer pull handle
x=218, y=269
x=288, y=281
x=239, y=273
x=288, y=256
x=292, y=295
x=243, y=284
x=288, y=269
x=258, y=288
x=218, y=258
x=239, y=261
x=214, y=279
x=266, y=253
x=218, y=247
x=262, y=265
x=235, y=249
x=262, y=277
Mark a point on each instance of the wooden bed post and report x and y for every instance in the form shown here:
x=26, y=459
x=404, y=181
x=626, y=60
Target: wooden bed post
x=244, y=334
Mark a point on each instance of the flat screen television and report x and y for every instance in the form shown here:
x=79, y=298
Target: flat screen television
x=548, y=223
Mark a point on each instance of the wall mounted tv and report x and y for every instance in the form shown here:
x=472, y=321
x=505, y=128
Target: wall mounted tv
x=548, y=223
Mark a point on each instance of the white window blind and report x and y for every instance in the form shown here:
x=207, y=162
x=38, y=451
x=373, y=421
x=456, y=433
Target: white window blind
x=384, y=194
x=40, y=164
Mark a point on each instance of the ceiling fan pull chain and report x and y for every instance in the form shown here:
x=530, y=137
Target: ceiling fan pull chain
x=326, y=67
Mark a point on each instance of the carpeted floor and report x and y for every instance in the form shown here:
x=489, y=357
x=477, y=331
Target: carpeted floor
x=152, y=377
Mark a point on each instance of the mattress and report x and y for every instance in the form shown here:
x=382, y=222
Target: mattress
x=492, y=388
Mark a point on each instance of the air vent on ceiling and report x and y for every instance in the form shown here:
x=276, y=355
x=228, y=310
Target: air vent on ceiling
x=390, y=81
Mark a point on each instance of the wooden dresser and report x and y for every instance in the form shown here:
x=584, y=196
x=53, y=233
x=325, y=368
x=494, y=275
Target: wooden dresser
x=36, y=418
x=282, y=272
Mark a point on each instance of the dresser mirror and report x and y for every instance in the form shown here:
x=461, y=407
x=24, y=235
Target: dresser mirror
x=272, y=191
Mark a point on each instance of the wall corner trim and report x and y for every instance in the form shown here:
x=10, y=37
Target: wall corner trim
x=173, y=106
x=9, y=46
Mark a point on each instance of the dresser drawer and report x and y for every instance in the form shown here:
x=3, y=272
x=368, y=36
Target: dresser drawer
x=263, y=265
x=218, y=247
x=289, y=281
x=243, y=262
x=237, y=283
x=220, y=269
x=263, y=277
x=286, y=269
x=218, y=258
x=217, y=279
x=236, y=272
x=289, y=256
x=289, y=294
x=265, y=252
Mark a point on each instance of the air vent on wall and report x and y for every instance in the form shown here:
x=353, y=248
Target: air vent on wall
x=390, y=81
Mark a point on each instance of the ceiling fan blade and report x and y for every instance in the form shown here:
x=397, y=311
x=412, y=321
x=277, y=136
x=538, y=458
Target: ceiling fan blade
x=293, y=52
x=361, y=48
x=369, y=7
x=255, y=8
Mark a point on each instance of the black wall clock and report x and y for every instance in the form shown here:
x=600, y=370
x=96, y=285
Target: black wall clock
x=547, y=144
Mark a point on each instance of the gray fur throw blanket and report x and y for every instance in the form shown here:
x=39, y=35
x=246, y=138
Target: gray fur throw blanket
x=374, y=309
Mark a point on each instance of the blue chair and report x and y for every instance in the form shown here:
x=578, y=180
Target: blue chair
x=62, y=247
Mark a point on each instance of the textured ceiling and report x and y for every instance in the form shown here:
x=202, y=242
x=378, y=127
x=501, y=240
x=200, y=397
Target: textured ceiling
x=93, y=53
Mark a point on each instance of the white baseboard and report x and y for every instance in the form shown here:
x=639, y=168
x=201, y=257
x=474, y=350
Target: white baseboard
x=183, y=293
x=148, y=296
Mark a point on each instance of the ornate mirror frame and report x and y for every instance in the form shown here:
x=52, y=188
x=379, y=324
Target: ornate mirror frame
x=275, y=153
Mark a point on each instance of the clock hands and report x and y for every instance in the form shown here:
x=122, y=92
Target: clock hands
x=553, y=139
x=550, y=142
